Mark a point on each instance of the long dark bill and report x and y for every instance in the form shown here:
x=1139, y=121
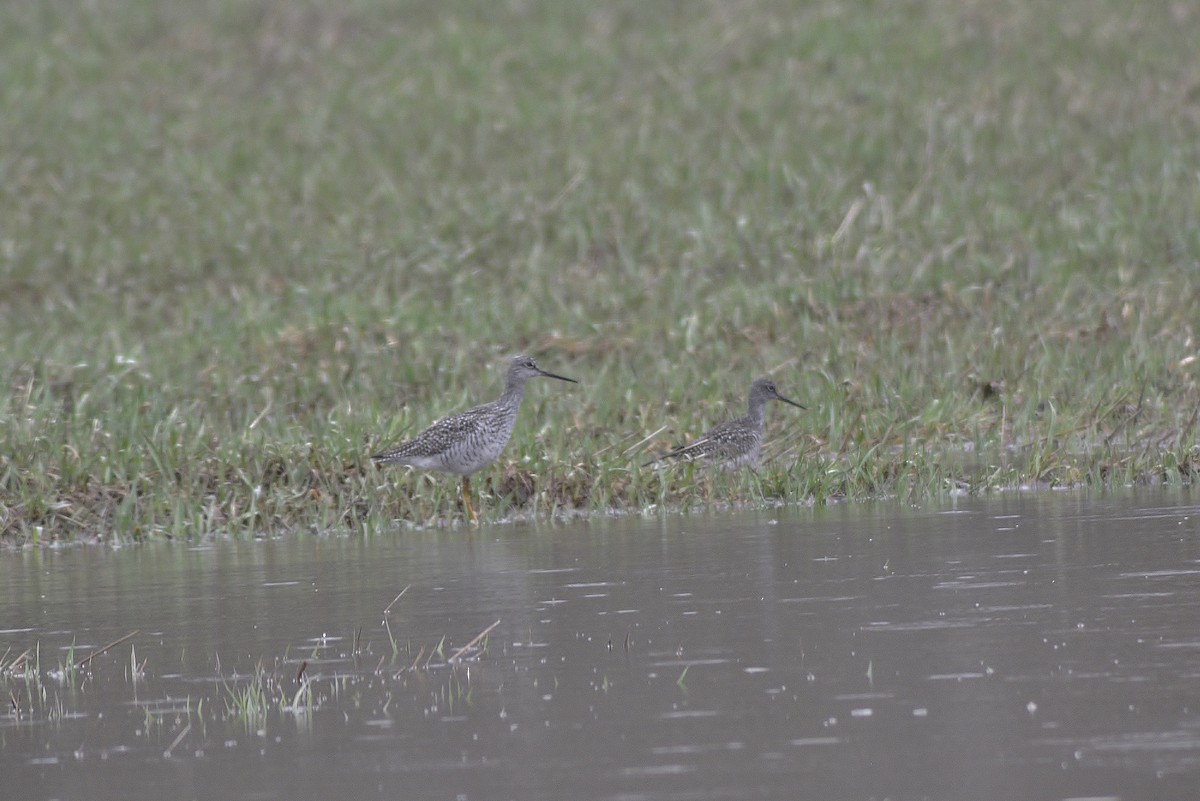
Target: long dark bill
x=555, y=375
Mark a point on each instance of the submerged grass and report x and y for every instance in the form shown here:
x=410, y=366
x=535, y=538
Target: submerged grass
x=246, y=244
x=270, y=689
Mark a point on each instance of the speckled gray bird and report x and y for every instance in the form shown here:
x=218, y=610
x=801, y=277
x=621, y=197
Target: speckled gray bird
x=734, y=443
x=466, y=442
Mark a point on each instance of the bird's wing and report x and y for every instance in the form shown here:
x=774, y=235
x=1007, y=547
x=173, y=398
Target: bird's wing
x=433, y=439
x=710, y=442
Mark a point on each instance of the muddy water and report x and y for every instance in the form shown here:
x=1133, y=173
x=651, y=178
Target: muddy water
x=1016, y=647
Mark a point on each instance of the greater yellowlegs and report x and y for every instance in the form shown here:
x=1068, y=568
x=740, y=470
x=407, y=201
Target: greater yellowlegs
x=466, y=442
x=734, y=443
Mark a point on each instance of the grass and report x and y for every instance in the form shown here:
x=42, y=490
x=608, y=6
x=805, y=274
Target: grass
x=247, y=243
x=271, y=688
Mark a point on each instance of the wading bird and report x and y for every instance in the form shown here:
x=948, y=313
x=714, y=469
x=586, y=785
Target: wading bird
x=734, y=443
x=466, y=442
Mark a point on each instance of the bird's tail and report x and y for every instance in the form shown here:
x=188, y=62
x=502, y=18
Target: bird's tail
x=682, y=452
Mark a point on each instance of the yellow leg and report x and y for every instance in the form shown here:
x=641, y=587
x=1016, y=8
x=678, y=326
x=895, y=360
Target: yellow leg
x=466, y=490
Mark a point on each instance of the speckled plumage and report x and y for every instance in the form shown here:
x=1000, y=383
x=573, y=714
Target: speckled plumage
x=466, y=442
x=734, y=443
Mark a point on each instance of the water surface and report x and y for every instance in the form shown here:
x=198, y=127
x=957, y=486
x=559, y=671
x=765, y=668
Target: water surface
x=1015, y=647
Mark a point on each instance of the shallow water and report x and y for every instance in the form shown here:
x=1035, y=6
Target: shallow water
x=1016, y=647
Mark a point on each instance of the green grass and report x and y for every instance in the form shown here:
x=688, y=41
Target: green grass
x=246, y=243
x=270, y=687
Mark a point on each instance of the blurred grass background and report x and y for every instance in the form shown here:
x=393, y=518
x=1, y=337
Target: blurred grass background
x=243, y=243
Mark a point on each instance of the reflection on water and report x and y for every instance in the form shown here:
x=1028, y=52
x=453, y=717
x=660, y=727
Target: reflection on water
x=1042, y=646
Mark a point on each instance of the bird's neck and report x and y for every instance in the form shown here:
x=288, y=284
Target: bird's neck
x=755, y=412
x=513, y=392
